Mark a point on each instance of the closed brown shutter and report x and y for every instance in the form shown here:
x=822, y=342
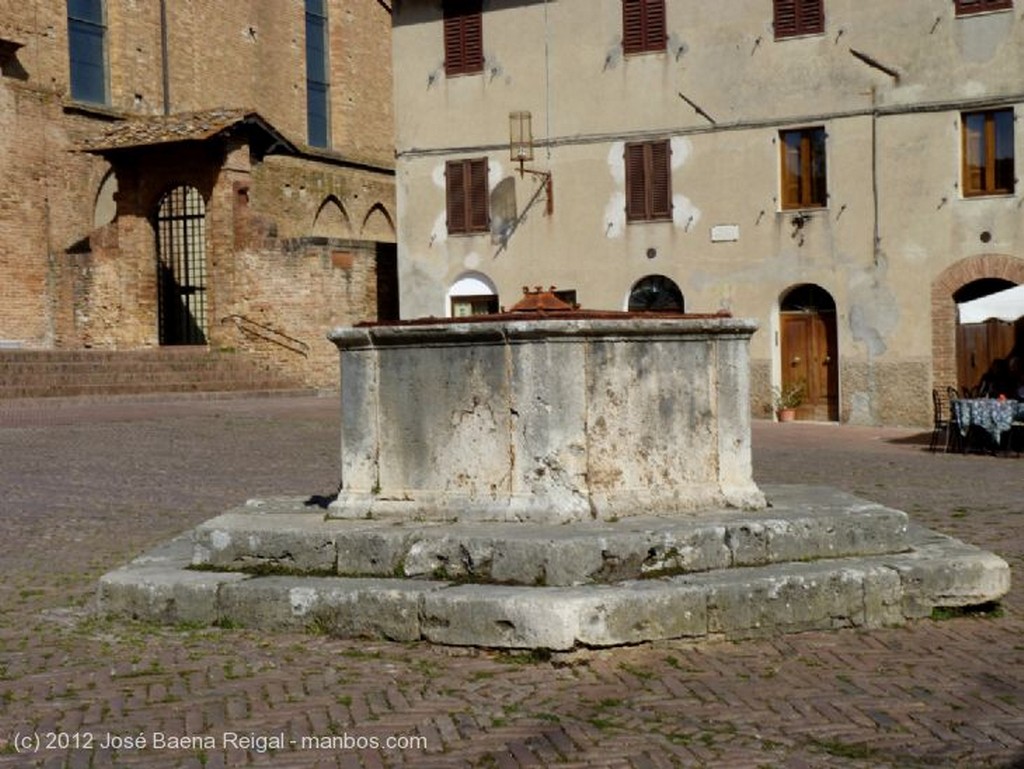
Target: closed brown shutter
x=661, y=181
x=643, y=26
x=455, y=195
x=798, y=17
x=463, y=37
x=648, y=181
x=636, y=187
x=479, y=219
x=467, y=196
x=979, y=6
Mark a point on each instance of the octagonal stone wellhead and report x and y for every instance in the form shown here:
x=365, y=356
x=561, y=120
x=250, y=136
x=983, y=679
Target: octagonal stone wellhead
x=550, y=417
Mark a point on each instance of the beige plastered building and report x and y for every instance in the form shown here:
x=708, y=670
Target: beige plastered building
x=855, y=292
x=196, y=173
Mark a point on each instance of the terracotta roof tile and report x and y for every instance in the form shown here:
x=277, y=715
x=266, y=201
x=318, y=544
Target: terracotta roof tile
x=164, y=129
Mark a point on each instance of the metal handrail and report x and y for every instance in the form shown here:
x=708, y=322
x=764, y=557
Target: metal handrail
x=262, y=330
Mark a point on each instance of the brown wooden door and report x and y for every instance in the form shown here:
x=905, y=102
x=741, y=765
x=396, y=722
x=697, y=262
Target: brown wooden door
x=809, y=355
x=978, y=345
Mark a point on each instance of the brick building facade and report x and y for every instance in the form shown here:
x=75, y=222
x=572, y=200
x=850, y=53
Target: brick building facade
x=195, y=173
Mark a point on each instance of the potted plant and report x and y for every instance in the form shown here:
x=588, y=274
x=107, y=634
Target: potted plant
x=785, y=399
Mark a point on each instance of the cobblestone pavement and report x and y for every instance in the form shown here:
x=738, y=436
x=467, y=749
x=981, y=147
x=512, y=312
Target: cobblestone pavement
x=86, y=486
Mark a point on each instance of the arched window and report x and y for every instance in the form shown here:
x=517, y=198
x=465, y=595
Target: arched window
x=656, y=293
x=181, y=262
x=472, y=294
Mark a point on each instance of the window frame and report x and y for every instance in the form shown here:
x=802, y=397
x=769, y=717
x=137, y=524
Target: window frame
x=467, y=196
x=463, y=37
x=87, y=51
x=648, y=181
x=797, y=18
x=318, y=78
x=990, y=184
x=811, y=189
x=644, y=27
x=971, y=7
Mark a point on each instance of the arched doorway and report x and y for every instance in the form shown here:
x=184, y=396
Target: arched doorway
x=181, y=265
x=978, y=345
x=810, y=350
x=655, y=293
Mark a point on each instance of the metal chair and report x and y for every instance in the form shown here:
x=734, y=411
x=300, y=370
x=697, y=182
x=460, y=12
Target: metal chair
x=940, y=422
x=955, y=438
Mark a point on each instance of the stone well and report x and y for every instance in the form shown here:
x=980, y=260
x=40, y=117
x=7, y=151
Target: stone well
x=580, y=417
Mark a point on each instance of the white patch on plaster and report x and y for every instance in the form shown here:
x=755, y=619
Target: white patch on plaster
x=438, y=176
x=495, y=173
x=301, y=600
x=682, y=148
x=615, y=216
x=440, y=232
x=220, y=540
x=472, y=261
x=617, y=163
x=614, y=220
x=685, y=214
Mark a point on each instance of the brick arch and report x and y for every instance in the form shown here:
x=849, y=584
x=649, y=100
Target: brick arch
x=378, y=224
x=947, y=283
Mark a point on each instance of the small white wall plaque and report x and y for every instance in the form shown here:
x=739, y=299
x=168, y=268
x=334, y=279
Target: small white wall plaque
x=725, y=233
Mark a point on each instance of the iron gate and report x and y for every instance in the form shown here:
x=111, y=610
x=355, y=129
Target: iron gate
x=181, y=258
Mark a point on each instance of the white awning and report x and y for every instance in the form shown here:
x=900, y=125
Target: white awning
x=1004, y=305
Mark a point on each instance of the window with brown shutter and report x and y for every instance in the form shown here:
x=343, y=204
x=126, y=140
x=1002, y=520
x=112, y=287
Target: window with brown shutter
x=803, y=168
x=988, y=158
x=648, y=181
x=966, y=7
x=463, y=37
x=467, y=196
x=643, y=26
x=798, y=17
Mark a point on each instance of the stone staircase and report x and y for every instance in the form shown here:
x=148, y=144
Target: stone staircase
x=83, y=373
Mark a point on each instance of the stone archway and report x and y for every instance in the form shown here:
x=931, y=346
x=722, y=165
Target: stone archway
x=947, y=283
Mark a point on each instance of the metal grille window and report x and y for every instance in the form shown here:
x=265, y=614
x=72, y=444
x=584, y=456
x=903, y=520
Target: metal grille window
x=181, y=261
x=86, y=51
x=317, y=75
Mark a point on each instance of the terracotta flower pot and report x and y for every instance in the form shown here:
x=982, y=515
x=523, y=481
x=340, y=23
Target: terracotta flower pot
x=787, y=415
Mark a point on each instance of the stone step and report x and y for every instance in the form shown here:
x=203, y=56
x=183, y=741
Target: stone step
x=865, y=592
x=818, y=559
x=73, y=373
x=804, y=523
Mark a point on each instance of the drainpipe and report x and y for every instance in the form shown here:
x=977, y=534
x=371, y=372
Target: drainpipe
x=165, y=67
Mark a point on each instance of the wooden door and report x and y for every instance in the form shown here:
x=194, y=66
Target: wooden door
x=978, y=345
x=809, y=356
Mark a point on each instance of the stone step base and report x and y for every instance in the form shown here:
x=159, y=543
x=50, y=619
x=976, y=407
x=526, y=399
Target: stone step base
x=78, y=373
x=803, y=523
x=732, y=603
